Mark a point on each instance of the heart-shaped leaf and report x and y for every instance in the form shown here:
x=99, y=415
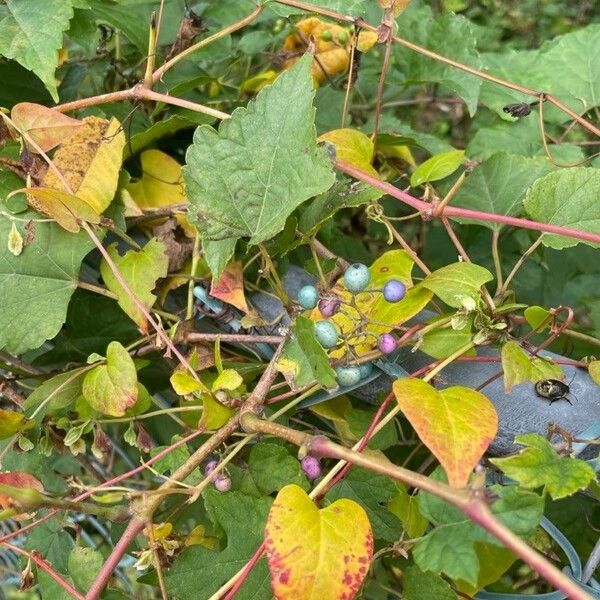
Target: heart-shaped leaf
x=457, y=424
x=112, y=388
x=316, y=553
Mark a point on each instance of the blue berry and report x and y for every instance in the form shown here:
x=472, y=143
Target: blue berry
x=326, y=333
x=386, y=343
x=394, y=290
x=308, y=296
x=347, y=375
x=365, y=370
x=329, y=306
x=357, y=277
x=311, y=467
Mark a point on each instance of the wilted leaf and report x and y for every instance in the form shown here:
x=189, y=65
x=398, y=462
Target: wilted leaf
x=333, y=547
x=454, y=282
x=519, y=367
x=457, y=424
x=18, y=480
x=567, y=197
x=62, y=207
x=303, y=358
x=247, y=178
x=15, y=240
x=112, y=388
x=90, y=162
x=47, y=127
x=437, y=167
x=353, y=147
x=141, y=269
x=540, y=465
x=11, y=423
x=230, y=286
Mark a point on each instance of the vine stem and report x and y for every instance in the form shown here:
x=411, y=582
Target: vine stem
x=425, y=208
x=470, y=501
x=519, y=263
x=496, y=258
x=448, y=61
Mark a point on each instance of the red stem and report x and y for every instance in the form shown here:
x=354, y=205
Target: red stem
x=244, y=574
x=451, y=211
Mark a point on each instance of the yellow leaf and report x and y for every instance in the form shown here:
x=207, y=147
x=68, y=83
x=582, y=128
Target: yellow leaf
x=457, y=424
x=316, y=553
x=229, y=379
x=594, y=370
x=198, y=537
x=63, y=207
x=46, y=127
x=352, y=147
x=230, y=287
x=158, y=531
x=90, y=162
x=183, y=383
x=254, y=84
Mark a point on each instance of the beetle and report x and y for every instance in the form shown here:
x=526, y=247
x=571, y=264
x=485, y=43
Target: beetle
x=553, y=390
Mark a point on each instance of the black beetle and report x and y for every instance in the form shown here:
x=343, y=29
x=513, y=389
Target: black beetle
x=553, y=390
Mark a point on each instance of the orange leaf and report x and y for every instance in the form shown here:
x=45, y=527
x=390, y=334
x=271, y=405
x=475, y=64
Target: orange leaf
x=230, y=287
x=457, y=424
x=46, y=126
x=316, y=553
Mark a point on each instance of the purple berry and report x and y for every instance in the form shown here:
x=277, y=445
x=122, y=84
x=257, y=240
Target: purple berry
x=329, y=306
x=311, y=467
x=222, y=483
x=386, y=343
x=394, y=290
x=210, y=466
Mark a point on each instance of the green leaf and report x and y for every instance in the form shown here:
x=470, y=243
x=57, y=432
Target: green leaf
x=405, y=507
x=19, y=86
x=55, y=393
x=371, y=491
x=84, y=564
x=243, y=519
x=247, y=178
x=359, y=420
x=419, y=585
x=452, y=546
x=499, y=184
x=568, y=197
x=454, y=282
x=442, y=342
x=53, y=542
x=229, y=379
x=537, y=317
x=141, y=269
x=272, y=467
x=437, y=167
x=447, y=34
x=354, y=8
x=304, y=359
x=112, y=388
x=34, y=46
x=35, y=287
x=540, y=465
x=157, y=131
x=519, y=367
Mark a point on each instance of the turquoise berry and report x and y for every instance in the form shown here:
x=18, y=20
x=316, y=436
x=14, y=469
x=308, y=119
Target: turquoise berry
x=357, y=277
x=347, y=375
x=394, y=290
x=326, y=333
x=365, y=370
x=308, y=296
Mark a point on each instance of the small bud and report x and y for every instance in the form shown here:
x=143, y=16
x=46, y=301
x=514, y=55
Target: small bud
x=311, y=467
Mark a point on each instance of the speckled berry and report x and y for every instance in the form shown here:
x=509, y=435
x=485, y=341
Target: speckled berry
x=329, y=306
x=394, y=290
x=357, y=277
x=347, y=375
x=386, y=343
x=308, y=296
x=326, y=333
x=210, y=466
x=222, y=483
x=311, y=467
x=365, y=370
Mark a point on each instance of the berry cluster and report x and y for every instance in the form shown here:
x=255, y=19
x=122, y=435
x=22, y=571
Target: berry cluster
x=356, y=280
x=222, y=482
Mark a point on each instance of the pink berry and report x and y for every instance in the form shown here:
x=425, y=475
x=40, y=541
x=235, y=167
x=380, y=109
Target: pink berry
x=222, y=483
x=329, y=306
x=210, y=466
x=386, y=343
x=311, y=467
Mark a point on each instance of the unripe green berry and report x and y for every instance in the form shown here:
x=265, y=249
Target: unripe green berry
x=357, y=277
x=347, y=375
x=326, y=35
x=308, y=296
x=343, y=37
x=326, y=333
